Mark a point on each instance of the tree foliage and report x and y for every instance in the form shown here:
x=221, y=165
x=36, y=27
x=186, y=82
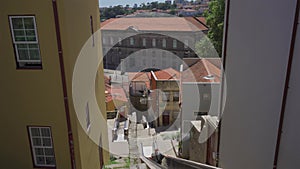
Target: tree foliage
x=215, y=21
x=205, y=49
x=112, y=12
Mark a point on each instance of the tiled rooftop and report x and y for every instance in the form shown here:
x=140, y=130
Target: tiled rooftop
x=140, y=77
x=201, y=69
x=154, y=24
x=167, y=74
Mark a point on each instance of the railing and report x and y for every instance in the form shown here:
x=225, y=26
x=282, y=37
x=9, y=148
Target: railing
x=174, y=163
x=151, y=164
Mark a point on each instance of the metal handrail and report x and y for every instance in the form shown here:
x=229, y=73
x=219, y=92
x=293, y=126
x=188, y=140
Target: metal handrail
x=191, y=164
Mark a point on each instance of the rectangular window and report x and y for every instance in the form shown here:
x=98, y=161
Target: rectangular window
x=88, y=120
x=111, y=40
x=164, y=43
x=92, y=30
x=25, y=40
x=144, y=42
x=42, y=146
x=103, y=40
x=153, y=42
x=174, y=44
x=120, y=41
x=176, y=96
x=186, y=43
x=131, y=41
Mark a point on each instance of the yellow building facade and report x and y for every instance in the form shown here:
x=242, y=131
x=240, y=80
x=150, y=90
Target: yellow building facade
x=40, y=42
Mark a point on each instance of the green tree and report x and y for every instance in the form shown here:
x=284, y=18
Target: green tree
x=215, y=21
x=205, y=49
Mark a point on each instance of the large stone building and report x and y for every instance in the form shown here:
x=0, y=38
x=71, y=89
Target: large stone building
x=132, y=44
x=40, y=43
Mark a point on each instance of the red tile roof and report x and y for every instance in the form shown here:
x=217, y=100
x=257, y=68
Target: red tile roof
x=201, y=19
x=167, y=74
x=199, y=24
x=113, y=92
x=106, y=22
x=140, y=77
x=201, y=71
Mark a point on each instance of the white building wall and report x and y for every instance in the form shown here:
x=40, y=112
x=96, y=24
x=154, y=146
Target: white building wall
x=289, y=151
x=259, y=36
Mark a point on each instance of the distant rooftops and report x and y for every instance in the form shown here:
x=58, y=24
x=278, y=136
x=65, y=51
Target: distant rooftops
x=205, y=70
x=155, y=24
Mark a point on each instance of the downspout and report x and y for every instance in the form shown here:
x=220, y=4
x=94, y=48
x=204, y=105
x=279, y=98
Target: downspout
x=227, y=8
x=64, y=84
x=286, y=85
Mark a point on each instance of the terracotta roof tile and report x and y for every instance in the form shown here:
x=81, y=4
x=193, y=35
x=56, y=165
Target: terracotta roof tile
x=167, y=74
x=197, y=23
x=201, y=19
x=114, y=92
x=106, y=22
x=140, y=77
x=200, y=72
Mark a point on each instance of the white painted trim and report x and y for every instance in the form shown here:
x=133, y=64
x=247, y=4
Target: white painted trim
x=25, y=42
x=153, y=74
x=33, y=146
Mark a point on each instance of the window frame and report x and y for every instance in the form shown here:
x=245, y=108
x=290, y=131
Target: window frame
x=131, y=41
x=176, y=96
x=144, y=43
x=164, y=43
x=88, y=117
x=34, y=64
x=120, y=41
x=186, y=43
x=111, y=39
x=153, y=42
x=92, y=30
x=174, y=43
x=32, y=147
x=104, y=40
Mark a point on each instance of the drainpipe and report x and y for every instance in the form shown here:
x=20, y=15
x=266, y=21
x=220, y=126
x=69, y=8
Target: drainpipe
x=64, y=83
x=286, y=85
x=227, y=8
